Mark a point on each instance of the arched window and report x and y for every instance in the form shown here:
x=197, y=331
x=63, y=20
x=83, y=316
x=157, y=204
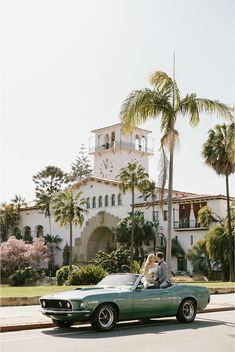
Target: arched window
x=100, y=201
x=137, y=142
x=143, y=143
x=113, y=139
x=119, y=199
x=94, y=202
x=113, y=199
x=106, y=200
x=27, y=237
x=106, y=141
x=39, y=231
x=88, y=205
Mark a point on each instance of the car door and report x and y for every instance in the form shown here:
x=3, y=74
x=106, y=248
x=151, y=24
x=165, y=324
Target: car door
x=151, y=302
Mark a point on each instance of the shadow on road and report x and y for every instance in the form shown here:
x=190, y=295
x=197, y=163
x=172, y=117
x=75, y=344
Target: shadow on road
x=132, y=328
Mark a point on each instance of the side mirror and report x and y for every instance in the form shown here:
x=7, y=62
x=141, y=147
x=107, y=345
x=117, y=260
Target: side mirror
x=140, y=287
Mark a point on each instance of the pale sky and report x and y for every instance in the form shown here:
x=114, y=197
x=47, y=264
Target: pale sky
x=67, y=66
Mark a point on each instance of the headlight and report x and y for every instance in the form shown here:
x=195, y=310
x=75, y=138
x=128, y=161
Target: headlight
x=43, y=304
x=68, y=305
x=82, y=305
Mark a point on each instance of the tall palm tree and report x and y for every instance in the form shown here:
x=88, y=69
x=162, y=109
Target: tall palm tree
x=68, y=210
x=48, y=182
x=132, y=177
x=219, y=153
x=165, y=101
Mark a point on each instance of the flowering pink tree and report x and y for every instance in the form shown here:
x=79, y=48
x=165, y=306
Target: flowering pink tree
x=16, y=254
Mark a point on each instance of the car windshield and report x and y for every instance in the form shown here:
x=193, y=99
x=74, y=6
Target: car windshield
x=118, y=280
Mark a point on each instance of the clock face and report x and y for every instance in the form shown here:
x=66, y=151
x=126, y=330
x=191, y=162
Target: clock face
x=106, y=168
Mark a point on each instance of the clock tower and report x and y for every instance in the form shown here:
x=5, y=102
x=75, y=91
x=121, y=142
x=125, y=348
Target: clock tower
x=112, y=149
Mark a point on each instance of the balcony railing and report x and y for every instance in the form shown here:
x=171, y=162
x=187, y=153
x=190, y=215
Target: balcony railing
x=187, y=224
x=116, y=144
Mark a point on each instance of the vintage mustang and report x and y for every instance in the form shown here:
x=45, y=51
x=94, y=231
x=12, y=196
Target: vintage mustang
x=120, y=297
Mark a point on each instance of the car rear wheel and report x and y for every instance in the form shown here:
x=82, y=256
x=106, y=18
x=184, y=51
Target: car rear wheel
x=187, y=311
x=62, y=323
x=104, y=318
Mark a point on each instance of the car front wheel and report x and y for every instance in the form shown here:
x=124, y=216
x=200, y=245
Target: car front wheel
x=187, y=311
x=104, y=318
x=62, y=323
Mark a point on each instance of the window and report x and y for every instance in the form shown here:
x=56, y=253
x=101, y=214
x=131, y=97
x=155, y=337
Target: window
x=181, y=264
x=106, y=141
x=113, y=139
x=155, y=215
x=106, y=200
x=39, y=231
x=191, y=240
x=165, y=215
x=94, y=202
x=113, y=200
x=119, y=199
x=88, y=203
x=162, y=239
x=100, y=201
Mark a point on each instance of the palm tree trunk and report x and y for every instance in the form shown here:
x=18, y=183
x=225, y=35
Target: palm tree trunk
x=70, y=245
x=132, y=227
x=169, y=211
x=49, y=219
x=231, y=271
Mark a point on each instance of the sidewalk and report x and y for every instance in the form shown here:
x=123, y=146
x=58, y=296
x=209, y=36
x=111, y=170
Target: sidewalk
x=30, y=317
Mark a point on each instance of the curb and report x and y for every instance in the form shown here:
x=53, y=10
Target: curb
x=31, y=326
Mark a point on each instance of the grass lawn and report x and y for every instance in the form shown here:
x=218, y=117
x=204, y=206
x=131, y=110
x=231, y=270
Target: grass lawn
x=31, y=291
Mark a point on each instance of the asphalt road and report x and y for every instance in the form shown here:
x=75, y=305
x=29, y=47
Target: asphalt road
x=209, y=332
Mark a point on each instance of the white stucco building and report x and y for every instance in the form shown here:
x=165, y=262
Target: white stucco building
x=106, y=205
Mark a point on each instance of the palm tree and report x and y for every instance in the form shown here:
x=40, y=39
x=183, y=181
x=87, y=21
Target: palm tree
x=44, y=202
x=48, y=182
x=9, y=217
x=68, y=210
x=165, y=101
x=52, y=243
x=132, y=177
x=219, y=153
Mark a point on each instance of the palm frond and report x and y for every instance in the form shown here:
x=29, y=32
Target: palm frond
x=140, y=105
x=165, y=85
x=193, y=106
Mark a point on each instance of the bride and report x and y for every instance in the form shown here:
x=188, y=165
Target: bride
x=150, y=269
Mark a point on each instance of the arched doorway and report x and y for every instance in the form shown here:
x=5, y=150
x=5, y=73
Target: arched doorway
x=101, y=239
x=96, y=236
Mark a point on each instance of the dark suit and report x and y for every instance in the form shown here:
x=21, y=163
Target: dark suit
x=162, y=275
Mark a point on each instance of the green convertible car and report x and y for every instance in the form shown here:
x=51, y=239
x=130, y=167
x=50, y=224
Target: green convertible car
x=120, y=297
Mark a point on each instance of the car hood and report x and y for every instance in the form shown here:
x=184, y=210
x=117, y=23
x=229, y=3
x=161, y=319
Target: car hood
x=79, y=294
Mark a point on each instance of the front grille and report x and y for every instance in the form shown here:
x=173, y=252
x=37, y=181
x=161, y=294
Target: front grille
x=56, y=304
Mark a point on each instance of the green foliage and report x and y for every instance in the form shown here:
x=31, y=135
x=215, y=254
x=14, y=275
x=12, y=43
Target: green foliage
x=24, y=276
x=81, y=168
x=176, y=249
x=63, y=273
x=199, y=257
x=117, y=261
x=86, y=275
x=144, y=233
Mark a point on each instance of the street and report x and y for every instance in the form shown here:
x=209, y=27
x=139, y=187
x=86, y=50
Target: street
x=209, y=332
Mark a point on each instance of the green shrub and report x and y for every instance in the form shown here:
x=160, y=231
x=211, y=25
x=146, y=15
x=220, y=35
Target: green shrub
x=63, y=273
x=118, y=261
x=24, y=276
x=87, y=275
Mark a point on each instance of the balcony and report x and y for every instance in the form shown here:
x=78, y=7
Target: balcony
x=185, y=225
x=122, y=144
